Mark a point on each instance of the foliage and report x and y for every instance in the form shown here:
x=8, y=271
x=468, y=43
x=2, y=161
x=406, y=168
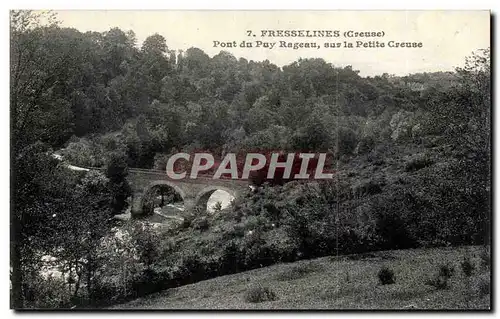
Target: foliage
x=438, y=282
x=116, y=172
x=217, y=206
x=484, y=287
x=485, y=258
x=386, y=276
x=441, y=278
x=201, y=223
x=260, y=294
x=146, y=239
x=417, y=163
x=446, y=270
x=467, y=266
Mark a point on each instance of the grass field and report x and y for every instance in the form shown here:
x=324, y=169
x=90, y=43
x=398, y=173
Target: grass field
x=339, y=282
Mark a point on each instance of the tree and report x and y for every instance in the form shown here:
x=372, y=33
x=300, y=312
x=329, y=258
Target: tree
x=40, y=192
x=81, y=229
x=154, y=65
x=40, y=57
x=116, y=172
x=196, y=62
x=313, y=136
x=154, y=44
x=20, y=208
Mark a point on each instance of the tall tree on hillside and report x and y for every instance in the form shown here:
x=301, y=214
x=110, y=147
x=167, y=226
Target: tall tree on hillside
x=117, y=172
x=38, y=193
x=154, y=65
x=40, y=58
x=27, y=87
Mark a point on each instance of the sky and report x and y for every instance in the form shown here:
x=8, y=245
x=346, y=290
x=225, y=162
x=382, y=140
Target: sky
x=447, y=37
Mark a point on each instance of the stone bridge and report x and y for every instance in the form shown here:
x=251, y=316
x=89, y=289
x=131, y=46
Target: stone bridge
x=194, y=192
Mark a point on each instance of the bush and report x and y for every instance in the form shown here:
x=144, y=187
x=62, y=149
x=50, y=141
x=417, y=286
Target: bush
x=438, y=282
x=393, y=230
x=187, y=221
x=441, y=279
x=217, y=206
x=386, y=276
x=483, y=287
x=84, y=152
x=485, y=259
x=201, y=223
x=146, y=239
x=446, y=270
x=191, y=269
x=45, y=293
x=371, y=187
x=467, y=266
x=418, y=163
x=150, y=281
x=260, y=294
x=232, y=259
x=365, y=145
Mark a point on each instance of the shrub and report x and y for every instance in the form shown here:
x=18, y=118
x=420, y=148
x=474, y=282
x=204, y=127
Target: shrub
x=467, y=266
x=45, y=292
x=201, y=223
x=438, y=282
x=371, y=187
x=446, y=270
x=232, y=259
x=386, y=276
x=485, y=259
x=483, y=287
x=84, y=152
x=191, y=268
x=441, y=279
x=217, y=207
x=146, y=239
x=260, y=294
x=418, y=163
x=347, y=277
x=365, y=145
x=392, y=230
x=187, y=221
x=148, y=281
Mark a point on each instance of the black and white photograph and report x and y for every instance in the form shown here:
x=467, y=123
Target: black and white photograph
x=250, y=160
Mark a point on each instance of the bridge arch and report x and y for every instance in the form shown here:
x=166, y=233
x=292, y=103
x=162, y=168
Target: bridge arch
x=172, y=185
x=203, y=196
x=150, y=190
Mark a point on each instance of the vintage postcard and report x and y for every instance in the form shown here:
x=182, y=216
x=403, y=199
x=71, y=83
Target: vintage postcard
x=230, y=160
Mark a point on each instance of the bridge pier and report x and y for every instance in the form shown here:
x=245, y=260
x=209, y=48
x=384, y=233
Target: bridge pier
x=136, y=205
x=189, y=204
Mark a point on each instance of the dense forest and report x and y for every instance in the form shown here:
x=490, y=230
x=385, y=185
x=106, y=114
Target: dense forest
x=413, y=151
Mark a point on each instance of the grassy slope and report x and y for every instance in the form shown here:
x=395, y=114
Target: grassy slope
x=343, y=282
